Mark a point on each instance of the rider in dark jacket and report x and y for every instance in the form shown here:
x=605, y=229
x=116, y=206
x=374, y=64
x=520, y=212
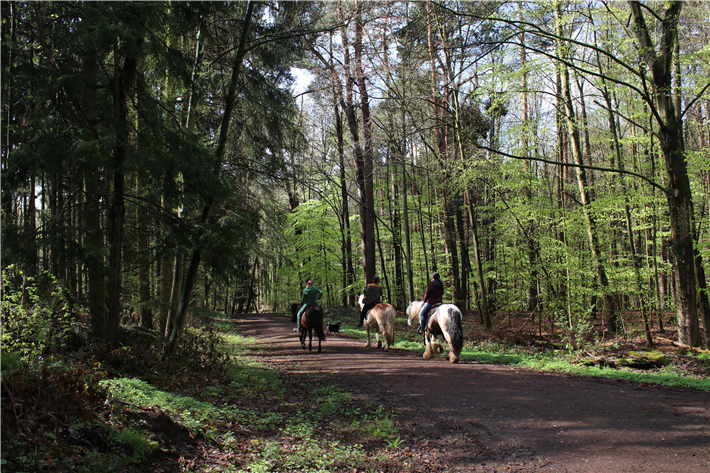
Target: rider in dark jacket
x=434, y=295
x=373, y=296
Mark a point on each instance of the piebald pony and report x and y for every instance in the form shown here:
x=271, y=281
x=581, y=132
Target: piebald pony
x=443, y=320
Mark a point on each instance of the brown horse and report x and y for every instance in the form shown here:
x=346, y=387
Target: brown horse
x=311, y=319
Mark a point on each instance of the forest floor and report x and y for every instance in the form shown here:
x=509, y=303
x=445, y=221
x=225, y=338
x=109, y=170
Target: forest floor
x=464, y=417
x=481, y=417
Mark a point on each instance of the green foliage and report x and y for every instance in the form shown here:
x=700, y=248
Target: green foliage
x=394, y=444
x=333, y=402
x=381, y=426
x=703, y=356
x=37, y=317
x=136, y=441
x=9, y=362
x=314, y=238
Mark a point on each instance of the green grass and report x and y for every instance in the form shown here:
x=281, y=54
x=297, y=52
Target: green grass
x=558, y=362
x=555, y=361
x=303, y=440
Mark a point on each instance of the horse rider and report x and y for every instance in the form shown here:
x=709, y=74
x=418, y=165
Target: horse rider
x=311, y=294
x=434, y=295
x=373, y=296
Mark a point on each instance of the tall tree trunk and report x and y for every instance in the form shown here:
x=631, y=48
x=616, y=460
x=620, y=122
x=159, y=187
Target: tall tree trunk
x=616, y=151
x=146, y=312
x=398, y=299
x=533, y=246
x=122, y=83
x=483, y=297
x=441, y=130
x=166, y=272
x=407, y=234
x=576, y=148
x=679, y=194
x=93, y=237
x=349, y=270
x=191, y=275
x=368, y=198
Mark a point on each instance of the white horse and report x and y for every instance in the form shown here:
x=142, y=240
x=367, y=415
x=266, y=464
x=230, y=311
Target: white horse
x=379, y=317
x=443, y=320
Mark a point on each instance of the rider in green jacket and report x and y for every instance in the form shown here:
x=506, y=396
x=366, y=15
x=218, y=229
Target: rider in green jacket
x=311, y=294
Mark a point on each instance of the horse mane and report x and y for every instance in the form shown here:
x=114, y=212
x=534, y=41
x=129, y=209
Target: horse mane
x=414, y=307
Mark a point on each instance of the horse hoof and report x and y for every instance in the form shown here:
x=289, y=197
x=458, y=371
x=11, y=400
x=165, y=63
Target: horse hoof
x=379, y=345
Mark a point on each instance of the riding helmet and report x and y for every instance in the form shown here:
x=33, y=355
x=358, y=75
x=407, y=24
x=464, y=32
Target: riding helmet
x=376, y=279
x=435, y=275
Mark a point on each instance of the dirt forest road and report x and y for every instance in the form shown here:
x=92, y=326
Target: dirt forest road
x=478, y=417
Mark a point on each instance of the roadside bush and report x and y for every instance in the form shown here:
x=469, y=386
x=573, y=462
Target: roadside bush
x=37, y=315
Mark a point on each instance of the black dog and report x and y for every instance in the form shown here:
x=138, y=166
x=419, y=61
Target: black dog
x=333, y=328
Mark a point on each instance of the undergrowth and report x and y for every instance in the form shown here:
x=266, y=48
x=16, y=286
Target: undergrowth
x=71, y=404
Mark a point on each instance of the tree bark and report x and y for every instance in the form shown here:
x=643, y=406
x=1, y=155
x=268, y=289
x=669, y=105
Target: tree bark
x=124, y=77
x=191, y=275
x=93, y=237
x=672, y=144
x=576, y=148
x=367, y=199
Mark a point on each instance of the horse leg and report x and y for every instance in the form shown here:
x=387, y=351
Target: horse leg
x=451, y=355
x=367, y=330
x=384, y=337
x=310, y=339
x=379, y=342
x=302, y=337
x=428, y=351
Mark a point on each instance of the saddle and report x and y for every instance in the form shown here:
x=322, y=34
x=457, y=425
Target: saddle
x=433, y=308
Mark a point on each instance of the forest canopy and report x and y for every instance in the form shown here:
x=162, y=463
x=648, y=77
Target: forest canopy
x=547, y=157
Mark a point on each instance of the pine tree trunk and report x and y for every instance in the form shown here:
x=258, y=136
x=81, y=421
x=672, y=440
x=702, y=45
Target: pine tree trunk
x=368, y=199
x=191, y=275
x=93, y=238
x=122, y=82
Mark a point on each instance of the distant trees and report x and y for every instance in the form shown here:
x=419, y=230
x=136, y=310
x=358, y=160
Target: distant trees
x=548, y=158
x=111, y=118
x=531, y=141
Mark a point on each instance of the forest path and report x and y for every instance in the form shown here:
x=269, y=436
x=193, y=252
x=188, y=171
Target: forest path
x=479, y=417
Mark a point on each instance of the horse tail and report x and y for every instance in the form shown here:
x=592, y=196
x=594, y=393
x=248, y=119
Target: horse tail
x=389, y=333
x=456, y=331
x=318, y=324
x=319, y=331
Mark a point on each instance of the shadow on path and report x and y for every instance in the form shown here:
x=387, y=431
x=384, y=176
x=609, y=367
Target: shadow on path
x=489, y=416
